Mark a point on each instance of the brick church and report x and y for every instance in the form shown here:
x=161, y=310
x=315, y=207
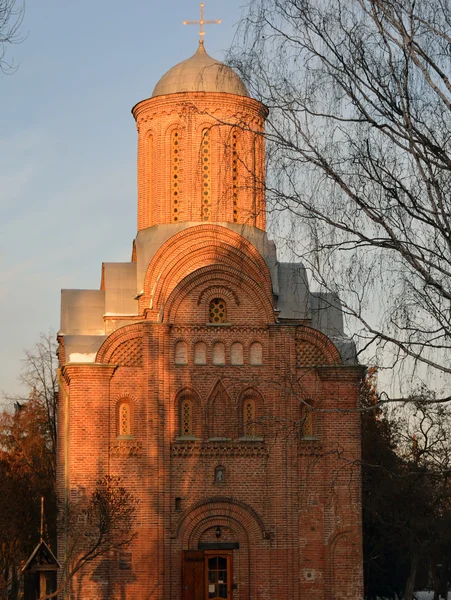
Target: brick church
x=210, y=378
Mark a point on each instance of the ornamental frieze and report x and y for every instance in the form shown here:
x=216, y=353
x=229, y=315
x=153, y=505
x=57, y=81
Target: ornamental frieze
x=208, y=329
x=121, y=448
x=212, y=449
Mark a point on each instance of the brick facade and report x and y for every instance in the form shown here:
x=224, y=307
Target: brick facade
x=215, y=450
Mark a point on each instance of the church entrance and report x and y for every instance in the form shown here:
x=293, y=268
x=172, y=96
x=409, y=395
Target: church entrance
x=207, y=575
x=218, y=575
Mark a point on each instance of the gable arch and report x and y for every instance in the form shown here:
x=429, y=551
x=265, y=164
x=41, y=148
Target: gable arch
x=197, y=247
x=313, y=348
x=121, y=338
x=223, y=276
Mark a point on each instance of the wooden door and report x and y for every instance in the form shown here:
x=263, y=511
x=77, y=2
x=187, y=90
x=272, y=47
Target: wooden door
x=218, y=575
x=193, y=575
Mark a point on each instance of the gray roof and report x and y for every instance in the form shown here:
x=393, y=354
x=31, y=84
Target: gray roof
x=294, y=294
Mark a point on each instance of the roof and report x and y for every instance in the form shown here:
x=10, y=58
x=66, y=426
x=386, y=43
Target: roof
x=41, y=559
x=200, y=73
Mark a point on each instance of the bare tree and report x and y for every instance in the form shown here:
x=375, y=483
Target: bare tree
x=359, y=150
x=11, y=16
x=95, y=526
x=38, y=374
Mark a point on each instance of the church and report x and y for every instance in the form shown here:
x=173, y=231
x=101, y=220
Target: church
x=210, y=378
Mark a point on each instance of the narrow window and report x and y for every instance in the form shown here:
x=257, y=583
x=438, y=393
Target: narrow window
x=175, y=175
x=219, y=354
x=218, y=311
x=124, y=418
x=306, y=421
x=256, y=354
x=219, y=475
x=206, y=176
x=236, y=354
x=235, y=172
x=149, y=181
x=186, y=417
x=181, y=353
x=200, y=353
x=249, y=417
x=254, y=181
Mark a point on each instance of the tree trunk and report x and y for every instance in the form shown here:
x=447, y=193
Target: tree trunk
x=444, y=580
x=410, y=583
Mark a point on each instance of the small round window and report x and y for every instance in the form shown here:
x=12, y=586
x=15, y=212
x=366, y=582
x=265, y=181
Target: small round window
x=217, y=311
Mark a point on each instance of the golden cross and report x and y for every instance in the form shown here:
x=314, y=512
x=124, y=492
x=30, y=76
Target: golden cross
x=202, y=22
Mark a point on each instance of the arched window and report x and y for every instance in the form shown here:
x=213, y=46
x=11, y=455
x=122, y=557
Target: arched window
x=219, y=354
x=181, y=353
x=186, y=417
x=206, y=175
x=256, y=354
x=236, y=354
x=218, y=311
x=124, y=419
x=175, y=175
x=200, y=353
x=306, y=421
x=249, y=417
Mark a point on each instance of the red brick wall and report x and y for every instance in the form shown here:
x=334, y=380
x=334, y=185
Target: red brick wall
x=293, y=505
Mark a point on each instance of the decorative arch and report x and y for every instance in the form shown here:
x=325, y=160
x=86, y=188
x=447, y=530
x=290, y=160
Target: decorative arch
x=200, y=352
x=124, y=341
x=117, y=415
x=256, y=353
x=343, y=557
x=181, y=352
x=219, y=355
x=249, y=418
x=313, y=348
x=198, y=247
x=236, y=353
x=214, y=291
x=219, y=411
x=187, y=525
x=228, y=277
x=187, y=423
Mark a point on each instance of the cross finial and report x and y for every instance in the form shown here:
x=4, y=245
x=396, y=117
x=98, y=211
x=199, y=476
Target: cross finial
x=202, y=22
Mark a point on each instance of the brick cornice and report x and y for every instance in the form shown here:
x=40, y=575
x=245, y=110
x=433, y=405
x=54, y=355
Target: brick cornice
x=199, y=102
x=79, y=370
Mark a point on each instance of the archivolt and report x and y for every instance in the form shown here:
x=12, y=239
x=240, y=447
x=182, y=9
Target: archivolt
x=220, y=506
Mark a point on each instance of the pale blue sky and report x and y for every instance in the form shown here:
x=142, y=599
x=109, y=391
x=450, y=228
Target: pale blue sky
x=68, y=146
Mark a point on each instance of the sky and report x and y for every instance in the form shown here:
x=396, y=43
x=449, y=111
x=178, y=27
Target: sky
x=68, y=146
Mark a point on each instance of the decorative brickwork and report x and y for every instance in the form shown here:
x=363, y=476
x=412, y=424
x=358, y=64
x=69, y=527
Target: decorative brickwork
x=128, y=354
x=129, y=448
x=219, y=448
x=313, y=348
x=189, y=113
